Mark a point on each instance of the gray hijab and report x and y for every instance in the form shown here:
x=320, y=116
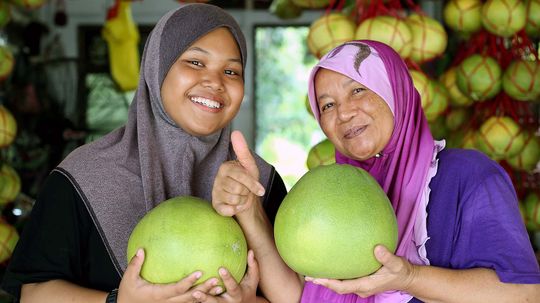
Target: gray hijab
x=123, y=175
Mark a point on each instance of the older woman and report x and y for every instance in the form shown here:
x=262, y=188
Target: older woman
x=461, y=238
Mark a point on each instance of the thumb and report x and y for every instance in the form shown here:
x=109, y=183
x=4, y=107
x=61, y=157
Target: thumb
x=252, y=276
x=387, y=258
x=243, y=154
x=134, y=267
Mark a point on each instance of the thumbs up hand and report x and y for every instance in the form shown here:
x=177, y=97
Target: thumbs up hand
x=237, y=186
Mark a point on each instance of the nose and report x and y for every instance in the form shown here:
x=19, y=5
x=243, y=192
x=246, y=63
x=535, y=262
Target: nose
x=213, y=80
x=346, y=111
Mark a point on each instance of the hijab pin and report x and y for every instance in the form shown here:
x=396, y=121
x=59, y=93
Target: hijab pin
x=378, y=155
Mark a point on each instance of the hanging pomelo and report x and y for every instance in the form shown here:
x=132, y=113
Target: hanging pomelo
x=457, y=97
x=323, y=153
x=10, y=184
x=330, y=222
x=429, y=39
x=457, y=117
x=438, y=128
x=463, y=15
x=423, y=85
x=285, y=9
x=528, y=157
x=8, y=127
x=388, y=30
x=470, y=139
x=503, y=17
x=479, y=77
x=7, y=61
x=311, y=3
x=532, y=211
x=328, y=32
x=5, y=14
x=532, y=27
x=8, y=239
x=500, y=137
x=185, y=234
x=29, y=4
x=521, y=80
x=439, y=101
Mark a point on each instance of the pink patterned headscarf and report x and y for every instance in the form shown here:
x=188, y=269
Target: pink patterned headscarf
x=406, y=164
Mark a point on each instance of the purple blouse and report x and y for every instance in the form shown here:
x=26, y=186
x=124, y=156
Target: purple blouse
x=473, y=221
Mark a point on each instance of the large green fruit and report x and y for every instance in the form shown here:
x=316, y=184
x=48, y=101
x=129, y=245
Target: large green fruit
x=330, y=222
x=185, y=234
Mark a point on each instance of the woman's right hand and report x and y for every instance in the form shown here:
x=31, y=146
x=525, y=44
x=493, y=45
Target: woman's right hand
x=134, y=289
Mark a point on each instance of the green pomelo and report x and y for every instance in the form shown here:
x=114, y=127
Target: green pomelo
x=423, y=85
x=389, y=30
x=10, y=184
x=457, y=97
x=532, y=211
x=500, y=137
x=479, y=77
x=457, y=117
x=323, y=153
x=429, y=39
x=8, y=240
x=330, y=222
x=285, y=9
x=521, y=80
x=438, y=128
x=311, y=3
x=329, y=31
x=503, y=17
x=463, y=15
x=528, y=157
x=532, y=27
x=183, y=235
x=439, y=101
x=5, y=14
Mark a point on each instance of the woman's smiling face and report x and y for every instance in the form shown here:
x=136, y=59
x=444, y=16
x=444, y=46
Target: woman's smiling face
x=355, y=119
x=204, y=88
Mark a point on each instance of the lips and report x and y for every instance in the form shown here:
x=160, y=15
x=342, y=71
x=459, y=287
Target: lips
x=213, y=104
x=354, y=131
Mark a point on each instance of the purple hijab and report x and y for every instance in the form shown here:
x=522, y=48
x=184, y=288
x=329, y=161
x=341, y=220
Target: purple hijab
x=407, y=163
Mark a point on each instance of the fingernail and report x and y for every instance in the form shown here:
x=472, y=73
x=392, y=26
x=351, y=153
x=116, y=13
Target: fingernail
x=223, y=271
x=379, y=251
x=139, y=252
x=261, y=191
x=219, y=290
x=214, y=281
x=198, y=274
x=308, y=279
x=197, y=295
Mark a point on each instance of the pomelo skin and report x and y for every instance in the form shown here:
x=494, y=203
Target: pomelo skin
x=183, y=235
x=330, y=222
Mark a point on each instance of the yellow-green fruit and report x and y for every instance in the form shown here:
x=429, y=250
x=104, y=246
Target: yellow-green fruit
x=311, y=3
x=328, y=32
x=183, y=235
x=503, y=17
x=528, y=157
x=457, y=97
x=285, y=9
x=330, y=222
x=463, y=15
x=438, y=128
x=470, y=140
x=457, y=117
x=8, y=127
x=10, y=184
x=500, y=137
x=29, y=4
x=521, y=80
x=532, y=211
x=429, y=39
x=388, y=30
x=7, y=62
x=439, y=101
x=532, y=27
x=8, y=240
x=5, y=14
x=323, y=153
x=479, y=77
x=423, y=85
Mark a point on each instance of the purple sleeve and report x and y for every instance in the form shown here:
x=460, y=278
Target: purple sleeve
x=491, y=234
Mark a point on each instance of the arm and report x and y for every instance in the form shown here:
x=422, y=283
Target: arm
x=434, y=284
x=236, y=193
x=61, y=291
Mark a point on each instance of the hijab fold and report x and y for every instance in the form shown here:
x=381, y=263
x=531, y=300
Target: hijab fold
x=123, y=175
x=407, y=163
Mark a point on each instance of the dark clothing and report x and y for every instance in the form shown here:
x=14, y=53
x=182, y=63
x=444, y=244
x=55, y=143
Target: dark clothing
x=60, y=241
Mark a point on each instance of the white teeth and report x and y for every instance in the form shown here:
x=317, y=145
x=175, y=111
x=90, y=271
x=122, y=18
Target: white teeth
x=206, y=102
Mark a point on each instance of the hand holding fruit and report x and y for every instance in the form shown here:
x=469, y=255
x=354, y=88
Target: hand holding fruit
x=245, y=292
x=237, y=186
x=396, y=273
x=134, y=289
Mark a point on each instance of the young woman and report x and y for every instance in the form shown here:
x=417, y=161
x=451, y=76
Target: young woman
x=177, y=135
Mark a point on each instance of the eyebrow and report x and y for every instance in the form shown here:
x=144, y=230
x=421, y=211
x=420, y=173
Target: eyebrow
x=200, y=50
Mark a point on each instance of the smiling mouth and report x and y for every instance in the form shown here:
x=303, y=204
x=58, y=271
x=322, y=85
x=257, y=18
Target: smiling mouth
x=354, y=131
x=206, y=102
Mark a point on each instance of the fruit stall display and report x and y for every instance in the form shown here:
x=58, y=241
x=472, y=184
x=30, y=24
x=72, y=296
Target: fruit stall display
x=476, y=69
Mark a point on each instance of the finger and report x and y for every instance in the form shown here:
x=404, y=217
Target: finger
x=207, y=285
x=204, y=298
x=248, y=182
x=133, y=270
x=224, y=209
x=341, y=287
x=183, y=285
x=388, y=259
x=231, y=286
x=243, y=154
x=252, y=276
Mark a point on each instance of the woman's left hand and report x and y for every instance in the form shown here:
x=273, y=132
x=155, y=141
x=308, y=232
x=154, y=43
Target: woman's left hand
x=396, y=273
x=245, y=292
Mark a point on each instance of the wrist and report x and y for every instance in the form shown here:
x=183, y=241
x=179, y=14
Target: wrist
x=112, y=297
